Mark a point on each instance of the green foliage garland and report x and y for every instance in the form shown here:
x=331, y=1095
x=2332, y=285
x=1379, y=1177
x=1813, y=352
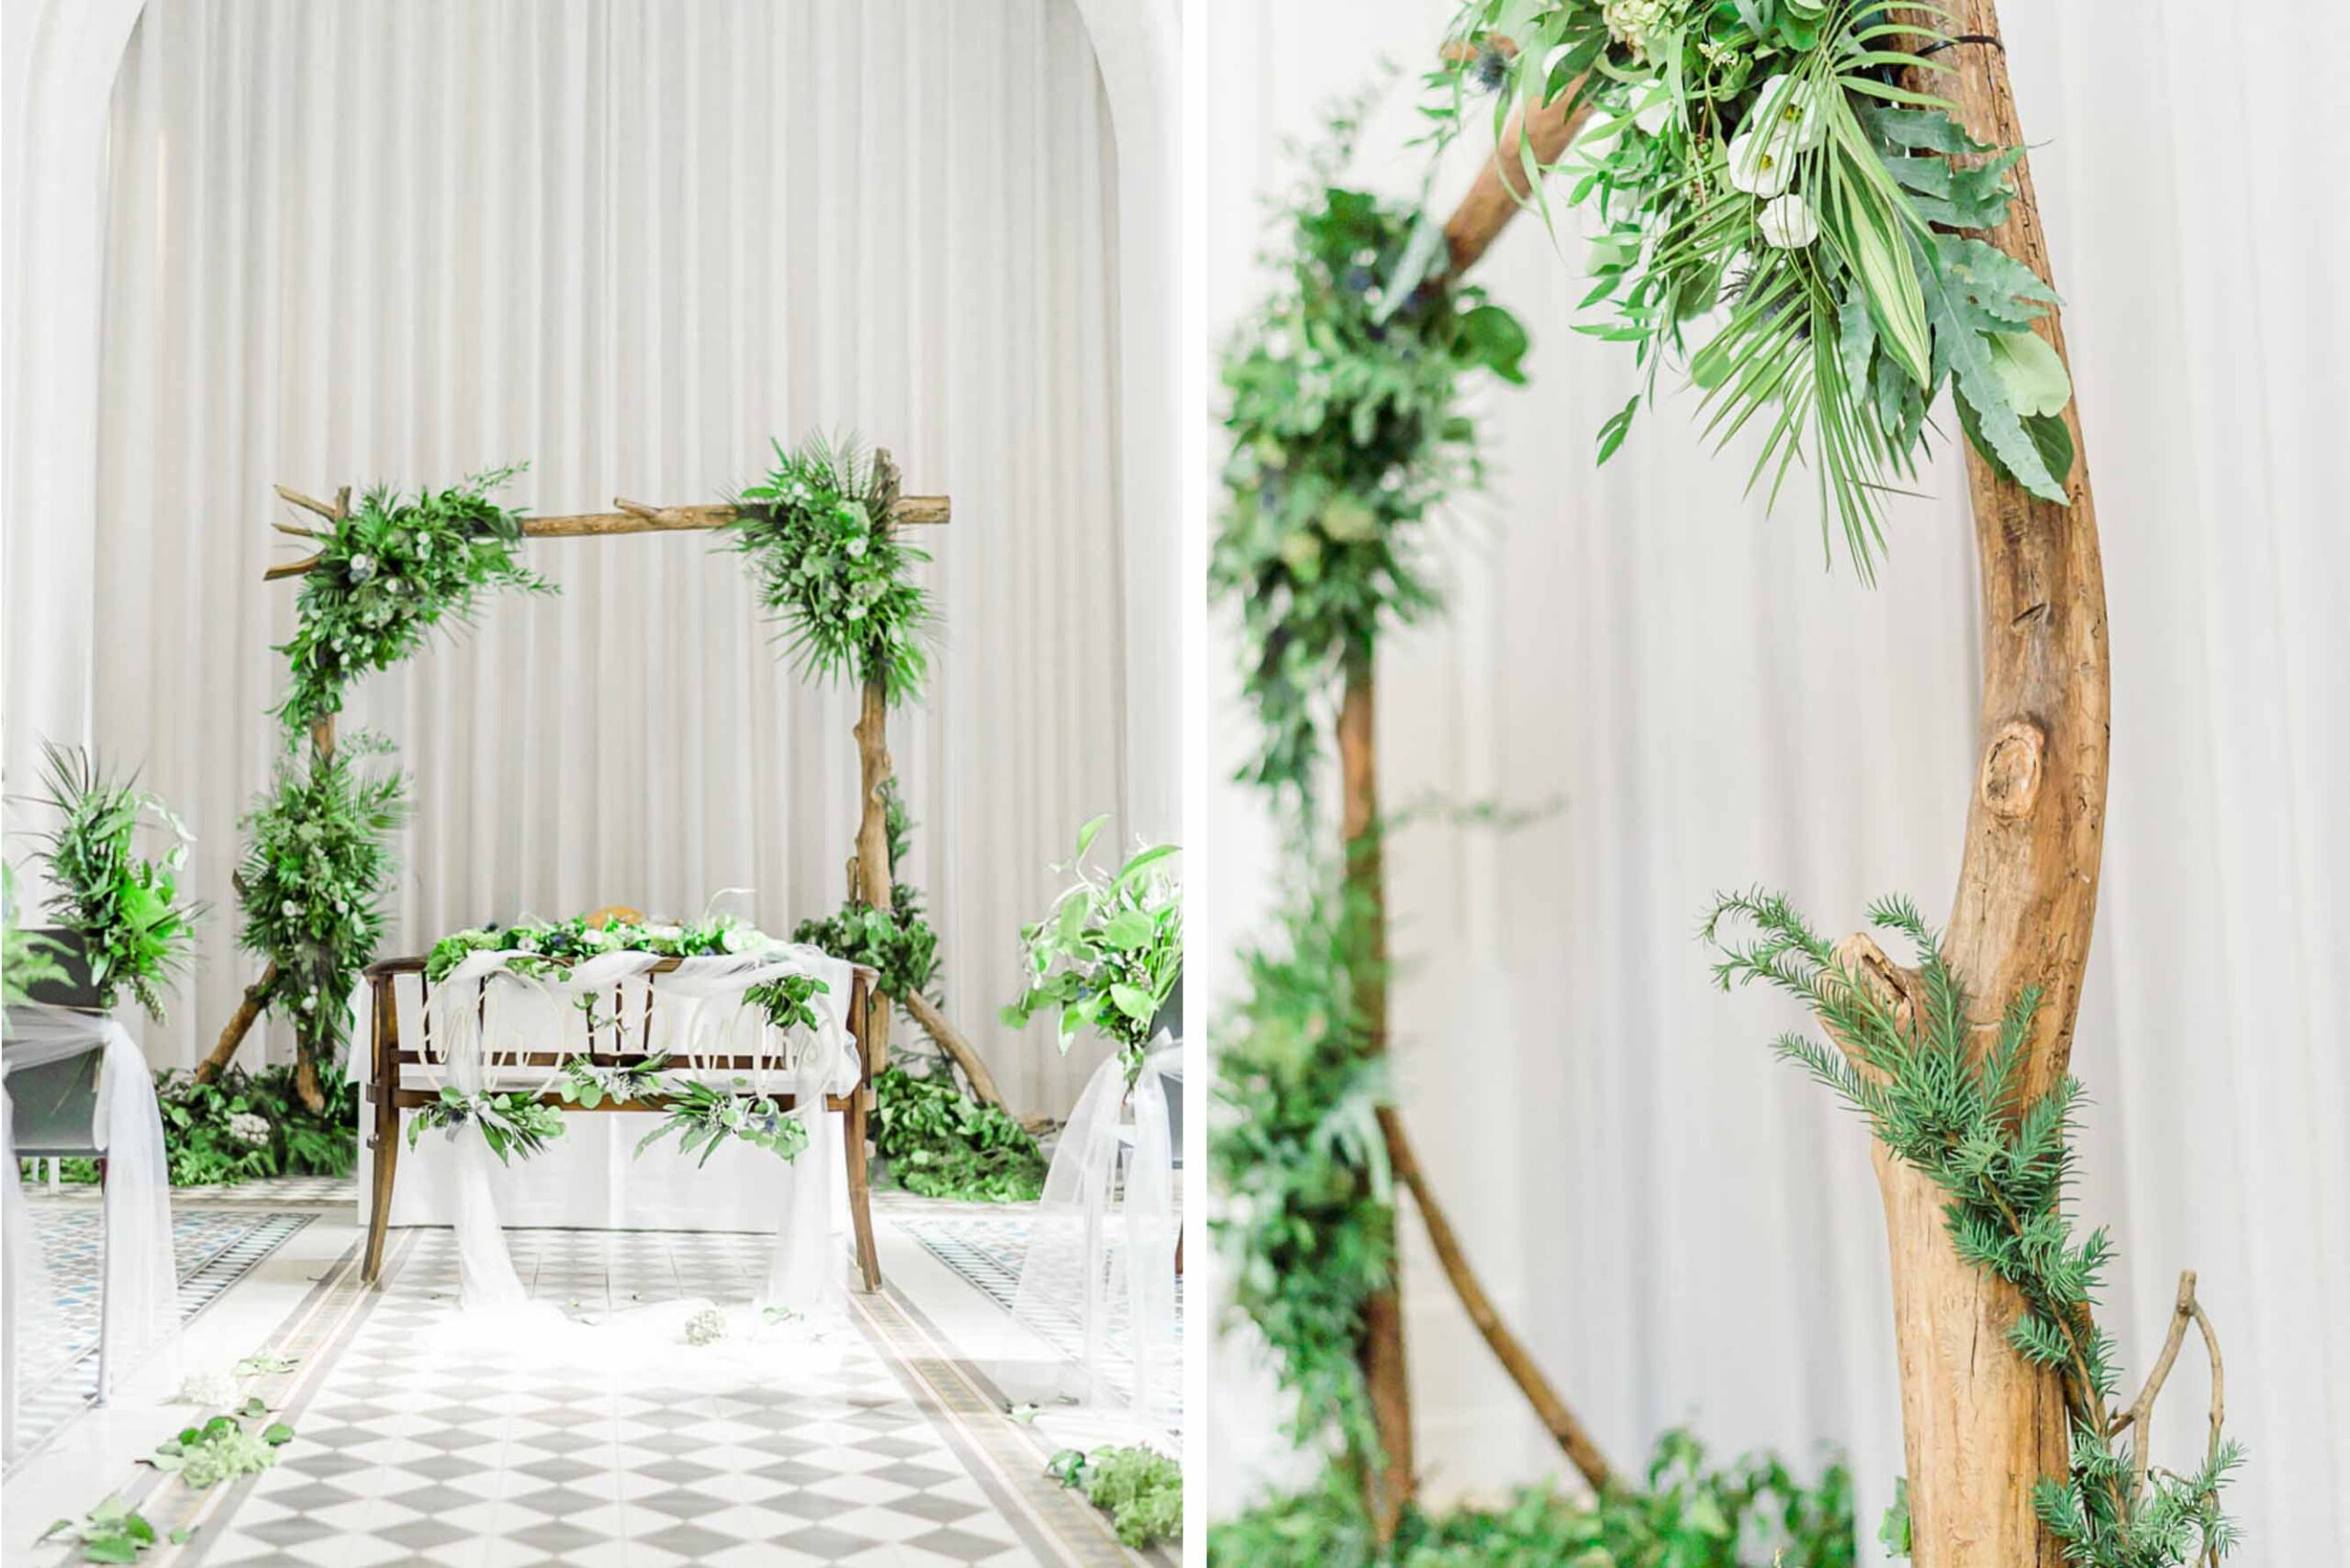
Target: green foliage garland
x=832, y=571
x=511, y=1121
x=941, y=1143
x=1752, y=1514
x=1140, y=1489
x=1309, y=1205
x=136, y=931
x=897, y=942
x=560, y=944
x=317, y=864
x=1960, y=1116
x=1106, y=956
x=1346, y=428
x=1770, y=190
x=386, y=576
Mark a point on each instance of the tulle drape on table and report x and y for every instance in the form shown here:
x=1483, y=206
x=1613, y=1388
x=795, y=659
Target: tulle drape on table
x=485, y=1018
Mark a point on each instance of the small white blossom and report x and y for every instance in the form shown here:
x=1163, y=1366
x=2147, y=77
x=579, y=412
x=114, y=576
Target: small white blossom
x=1787, y=110
x=1761, y=167
x=208, y=1391
x=1788, y=223
x=707, y=1326
x=289, y=909
x=248, y=1127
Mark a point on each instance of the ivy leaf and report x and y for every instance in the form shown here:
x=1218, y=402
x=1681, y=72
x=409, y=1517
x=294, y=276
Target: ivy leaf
x=1127, y=930
x=1088, y=833
x=1132, y=1002
x=2032, y=371
x=1496, y=341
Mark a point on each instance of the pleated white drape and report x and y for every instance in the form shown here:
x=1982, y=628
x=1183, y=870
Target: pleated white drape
x=627, y=242
x=1682, y=1228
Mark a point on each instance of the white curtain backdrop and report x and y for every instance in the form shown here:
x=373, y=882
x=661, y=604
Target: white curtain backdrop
x=1682, y=1228
x=627, y=242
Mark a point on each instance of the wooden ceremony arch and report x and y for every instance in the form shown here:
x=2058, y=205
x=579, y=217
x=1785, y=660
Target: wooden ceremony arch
x=1981, y=1424
x=868, y=868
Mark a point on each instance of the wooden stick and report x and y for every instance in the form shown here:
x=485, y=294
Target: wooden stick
x=1575, y=1439
x=239, y=1024
x=1387, y=1486
x=950, y=1040
x=873, y=872
x=1500, y=189
x=634, y=516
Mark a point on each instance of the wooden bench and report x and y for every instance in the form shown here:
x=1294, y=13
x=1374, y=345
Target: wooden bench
x=390, y=1054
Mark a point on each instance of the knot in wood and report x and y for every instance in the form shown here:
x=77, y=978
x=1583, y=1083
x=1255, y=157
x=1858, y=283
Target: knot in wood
x=2011, y=768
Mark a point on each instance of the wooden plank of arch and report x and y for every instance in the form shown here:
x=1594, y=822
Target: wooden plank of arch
x=630, y=517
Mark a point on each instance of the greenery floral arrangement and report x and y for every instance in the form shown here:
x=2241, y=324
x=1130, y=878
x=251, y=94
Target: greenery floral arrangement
x=223, y=1448
x=1347, y=429
x=941, y=1143
x=554, y=947
x=389, y=573
x=1140, y=1489
x=1959, y=1113
x=111, y=1532
x=317, y=862
x=897, y=942
x=1791, y=215
x=704, y=1118
x=1107, y=955
x=135, y=931
x=831, y=569
x=512, y=1121
x=589, y=1083
x=1751, y=1514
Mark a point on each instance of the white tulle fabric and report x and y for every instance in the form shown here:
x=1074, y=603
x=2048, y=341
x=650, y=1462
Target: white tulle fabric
x=1101, y=1243
x=485, y=1020
x=140, y=1304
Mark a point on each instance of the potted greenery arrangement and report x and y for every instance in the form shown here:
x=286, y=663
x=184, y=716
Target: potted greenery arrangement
x=121, y=923
x=1107, y=955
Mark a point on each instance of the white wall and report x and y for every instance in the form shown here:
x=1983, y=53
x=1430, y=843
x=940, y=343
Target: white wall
x=1681, y=1227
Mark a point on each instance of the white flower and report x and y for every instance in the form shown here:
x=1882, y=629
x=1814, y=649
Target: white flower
x=1652, y=116
x=310, y=1002
x=1759, y=167
x=210, y=1391
x=1630, y=22
x=856, y=548
x=707, y=1326
x=734, y=941
x=1788, y=222
x=247, y=1127
x=1786, y=109
x=289, y=909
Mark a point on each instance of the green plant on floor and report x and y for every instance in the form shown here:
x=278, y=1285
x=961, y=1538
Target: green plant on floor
x=1779, y=181
x=1107, y=955
x=512, y=1123
x=247, y=1126
x=318, y=863
x=941, y=1143
x=1751, y=1514
x=1907, y=1059
x=1140, y=1489
x=831, y=571
x=26, y=958
x=136, y=932
x=111, y=1532
x=388, y=574
x=1347, y=429
x=223, y=1448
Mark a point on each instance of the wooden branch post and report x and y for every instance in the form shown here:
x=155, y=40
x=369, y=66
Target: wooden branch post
x=1388, y=1486
x=1981, y=1424
x=873, y=872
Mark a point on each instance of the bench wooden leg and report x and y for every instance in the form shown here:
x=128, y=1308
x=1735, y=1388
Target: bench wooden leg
x=385, y=1139
x=860, y=1205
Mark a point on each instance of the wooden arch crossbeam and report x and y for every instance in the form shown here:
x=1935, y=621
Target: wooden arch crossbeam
x=869, y=875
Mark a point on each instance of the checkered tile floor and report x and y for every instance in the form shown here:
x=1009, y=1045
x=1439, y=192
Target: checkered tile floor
x=411, y=1454
x=986, y=1247
x=212, y=1250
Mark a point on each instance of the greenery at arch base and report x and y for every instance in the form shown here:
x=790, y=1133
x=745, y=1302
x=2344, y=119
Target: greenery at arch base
x=1348, y=431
